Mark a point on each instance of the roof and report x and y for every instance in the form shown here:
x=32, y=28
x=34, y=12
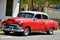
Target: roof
x=36, y=12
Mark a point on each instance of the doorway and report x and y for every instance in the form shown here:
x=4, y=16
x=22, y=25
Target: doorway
x=9, y=7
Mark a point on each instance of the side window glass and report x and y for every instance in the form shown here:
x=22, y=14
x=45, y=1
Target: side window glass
x=38, y=16
x=26, y=15
x=45, y=17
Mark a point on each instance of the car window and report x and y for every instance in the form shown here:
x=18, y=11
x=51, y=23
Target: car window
x=44, y=17
x=26, y=15
x=38, y=16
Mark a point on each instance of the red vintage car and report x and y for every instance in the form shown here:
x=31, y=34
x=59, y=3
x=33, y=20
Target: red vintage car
x=29, y=21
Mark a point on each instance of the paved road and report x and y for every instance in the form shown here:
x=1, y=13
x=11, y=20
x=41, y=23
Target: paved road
x=33, y=36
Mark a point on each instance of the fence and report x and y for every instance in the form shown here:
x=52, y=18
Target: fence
x=54, y=14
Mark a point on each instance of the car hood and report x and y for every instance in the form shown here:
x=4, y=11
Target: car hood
x=19, y=19
x=16, y=19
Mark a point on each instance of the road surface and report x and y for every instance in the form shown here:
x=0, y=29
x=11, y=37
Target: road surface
x=33, y=36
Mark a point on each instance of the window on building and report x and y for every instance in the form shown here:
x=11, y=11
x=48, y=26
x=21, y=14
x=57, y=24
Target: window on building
x=9, y=7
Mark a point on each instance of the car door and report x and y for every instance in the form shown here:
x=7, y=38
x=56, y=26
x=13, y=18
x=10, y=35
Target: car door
x=38, y=22
x=45, y=20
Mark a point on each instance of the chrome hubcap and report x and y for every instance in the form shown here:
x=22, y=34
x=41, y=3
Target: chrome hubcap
x=26, y=32
x=51, y=31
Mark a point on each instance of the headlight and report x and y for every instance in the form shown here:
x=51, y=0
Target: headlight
x=20, y=22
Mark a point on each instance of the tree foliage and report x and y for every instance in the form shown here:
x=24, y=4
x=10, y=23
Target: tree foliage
x=56, y=2
x=40, y=2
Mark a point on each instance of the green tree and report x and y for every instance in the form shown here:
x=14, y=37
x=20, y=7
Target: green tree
x=41, y=2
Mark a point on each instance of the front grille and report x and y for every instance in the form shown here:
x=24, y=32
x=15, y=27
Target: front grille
x=11, y=26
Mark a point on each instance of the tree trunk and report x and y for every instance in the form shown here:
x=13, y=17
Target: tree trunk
x=26, y=7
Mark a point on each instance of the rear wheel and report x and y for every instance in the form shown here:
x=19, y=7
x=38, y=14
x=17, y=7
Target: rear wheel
x=51, y=31
x=26, y=31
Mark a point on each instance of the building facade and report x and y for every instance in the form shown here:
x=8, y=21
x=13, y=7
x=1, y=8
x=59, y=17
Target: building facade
x=9, y=8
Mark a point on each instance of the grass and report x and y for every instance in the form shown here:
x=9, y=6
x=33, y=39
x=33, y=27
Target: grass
x=59, y=28
x=0, y=29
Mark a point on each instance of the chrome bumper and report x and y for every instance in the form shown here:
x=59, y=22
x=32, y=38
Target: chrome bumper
x=12, y=28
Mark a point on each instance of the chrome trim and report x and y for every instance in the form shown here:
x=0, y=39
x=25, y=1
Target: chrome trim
x=11, y=28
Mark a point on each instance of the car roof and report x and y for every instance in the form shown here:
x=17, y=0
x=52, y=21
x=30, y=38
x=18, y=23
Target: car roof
x=35, y=12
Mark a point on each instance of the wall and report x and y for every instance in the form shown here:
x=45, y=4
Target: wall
x=53, y=13
x=15, y=8
x=2, y=8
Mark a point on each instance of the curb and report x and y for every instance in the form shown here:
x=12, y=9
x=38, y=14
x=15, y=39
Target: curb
x=57, y=31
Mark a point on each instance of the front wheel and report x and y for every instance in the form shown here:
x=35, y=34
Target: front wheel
x=6, y=32
x=26, y=31
x=50, y=32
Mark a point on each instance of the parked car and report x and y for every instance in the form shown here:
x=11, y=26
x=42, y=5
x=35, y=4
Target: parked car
x=58, y=8
x=29, y=21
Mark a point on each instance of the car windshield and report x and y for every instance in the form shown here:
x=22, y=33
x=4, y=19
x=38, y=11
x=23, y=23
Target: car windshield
x=26, y=15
